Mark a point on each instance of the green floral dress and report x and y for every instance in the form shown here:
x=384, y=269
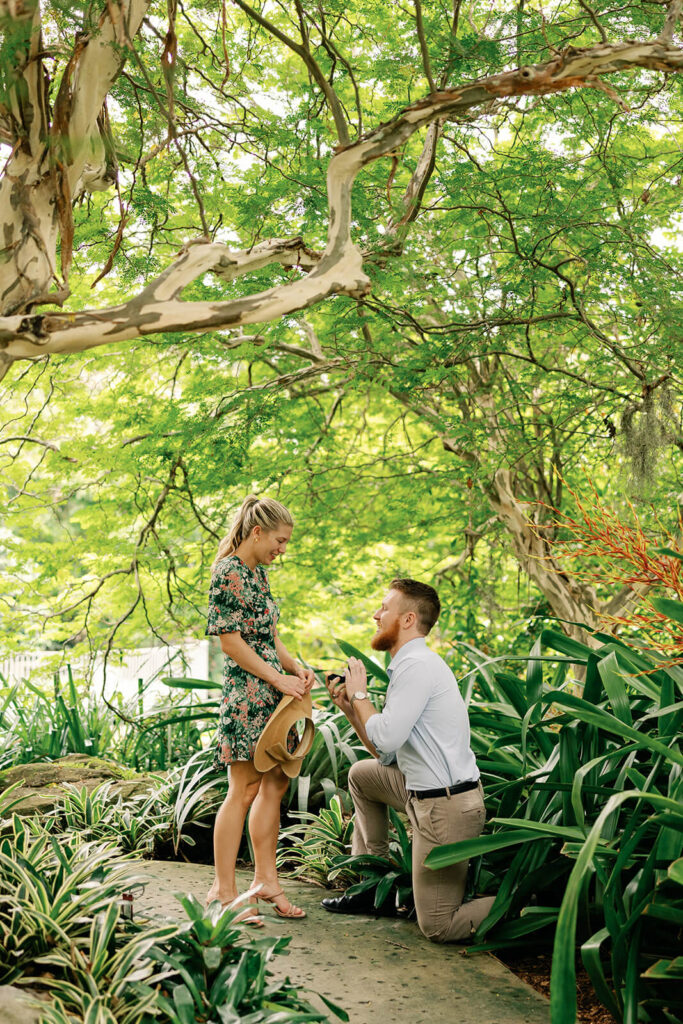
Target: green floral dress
x=240, y=601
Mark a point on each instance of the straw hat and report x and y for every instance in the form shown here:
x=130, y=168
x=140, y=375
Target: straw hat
x=271, y=748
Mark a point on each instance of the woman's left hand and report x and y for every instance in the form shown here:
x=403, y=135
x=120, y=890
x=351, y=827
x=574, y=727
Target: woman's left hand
x=306, y=674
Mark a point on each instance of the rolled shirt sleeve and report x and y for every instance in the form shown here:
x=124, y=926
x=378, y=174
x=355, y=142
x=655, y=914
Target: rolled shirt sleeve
x=405, y=702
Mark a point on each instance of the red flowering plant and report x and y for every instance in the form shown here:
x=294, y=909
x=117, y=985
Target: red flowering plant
x=597, y=547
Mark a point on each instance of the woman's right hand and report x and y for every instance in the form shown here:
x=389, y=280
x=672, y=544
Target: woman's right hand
x=291, y=686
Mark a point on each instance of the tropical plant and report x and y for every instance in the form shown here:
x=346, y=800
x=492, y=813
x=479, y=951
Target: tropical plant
x=595, y=781
x=389, y=876
x=61, y=930
x=217, y=975
x=133, y=824
x=38, y=724
x=172, y=731
x=51, y=888
x=310, y=847
x=190, y=795
x=109, y=978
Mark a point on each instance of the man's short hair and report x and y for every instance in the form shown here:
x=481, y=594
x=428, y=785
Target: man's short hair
x=423, y=598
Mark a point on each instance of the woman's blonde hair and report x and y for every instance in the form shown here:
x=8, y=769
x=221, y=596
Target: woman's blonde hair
x=264, y=512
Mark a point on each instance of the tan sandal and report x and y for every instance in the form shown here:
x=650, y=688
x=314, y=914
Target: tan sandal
x=293, y=912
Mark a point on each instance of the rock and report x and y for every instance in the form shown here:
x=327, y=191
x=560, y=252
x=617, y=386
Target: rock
x=42, y=781
x=16, y=1006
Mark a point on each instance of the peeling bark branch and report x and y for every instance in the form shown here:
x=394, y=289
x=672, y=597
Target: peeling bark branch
x=567, y=599
x=340, y=270
x=673, y=13
x=56, y=160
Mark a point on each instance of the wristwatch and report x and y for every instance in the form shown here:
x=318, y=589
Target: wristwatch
x=358, y=695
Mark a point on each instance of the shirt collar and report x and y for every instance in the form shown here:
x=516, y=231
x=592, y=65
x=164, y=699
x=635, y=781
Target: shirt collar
x=415, y=644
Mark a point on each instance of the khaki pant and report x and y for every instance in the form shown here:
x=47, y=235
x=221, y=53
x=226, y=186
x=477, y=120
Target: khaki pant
x=438, y=894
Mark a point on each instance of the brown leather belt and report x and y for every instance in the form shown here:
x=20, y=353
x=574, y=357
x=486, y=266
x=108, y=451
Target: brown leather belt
x=426, y=794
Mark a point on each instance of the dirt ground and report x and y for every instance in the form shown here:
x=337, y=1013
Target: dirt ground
x=535, y=970
x=376, y=969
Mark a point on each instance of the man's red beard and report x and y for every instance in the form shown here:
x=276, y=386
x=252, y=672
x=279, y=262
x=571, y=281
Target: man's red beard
x=385, y=640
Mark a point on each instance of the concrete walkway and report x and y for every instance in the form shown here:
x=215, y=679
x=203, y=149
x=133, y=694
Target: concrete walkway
x=379, y=970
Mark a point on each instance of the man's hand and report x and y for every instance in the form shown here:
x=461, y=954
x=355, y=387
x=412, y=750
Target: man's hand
x=337, y=692
x=356, y=678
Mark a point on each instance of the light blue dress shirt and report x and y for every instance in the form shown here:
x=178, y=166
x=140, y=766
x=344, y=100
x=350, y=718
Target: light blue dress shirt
x=424, y=726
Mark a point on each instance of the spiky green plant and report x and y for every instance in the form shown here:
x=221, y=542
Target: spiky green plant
x=588, y=820
x=315, y=842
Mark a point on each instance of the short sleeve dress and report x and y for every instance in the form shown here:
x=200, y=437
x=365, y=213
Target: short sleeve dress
x=240, y=601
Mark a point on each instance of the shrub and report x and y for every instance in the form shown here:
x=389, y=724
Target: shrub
x=61, y=929
x=588, y=820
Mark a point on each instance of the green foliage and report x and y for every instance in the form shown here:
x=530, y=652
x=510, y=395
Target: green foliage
x=61, y=930
x=37, y=724
x=315, y=842
x=219, y=977
x=107, y=979
x=165, y=818
x=51, y=889
x=391, y=876
x=534, y=328
x=586, y=797
x=135, y=825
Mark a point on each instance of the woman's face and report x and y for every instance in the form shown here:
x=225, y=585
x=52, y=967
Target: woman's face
x=268, y=544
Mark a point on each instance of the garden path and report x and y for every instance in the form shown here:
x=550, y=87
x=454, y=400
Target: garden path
x=378, y=970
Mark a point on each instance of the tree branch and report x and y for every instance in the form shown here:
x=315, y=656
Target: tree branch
x=673, y=13
x=340, y=270
x=426, y=63
x=311, y=64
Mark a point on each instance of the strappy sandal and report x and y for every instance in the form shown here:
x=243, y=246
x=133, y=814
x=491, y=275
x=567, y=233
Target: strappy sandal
x=282, y=913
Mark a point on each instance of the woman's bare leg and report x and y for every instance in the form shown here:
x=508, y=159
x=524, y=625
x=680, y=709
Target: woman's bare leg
x=227, y=835
x=264, y=827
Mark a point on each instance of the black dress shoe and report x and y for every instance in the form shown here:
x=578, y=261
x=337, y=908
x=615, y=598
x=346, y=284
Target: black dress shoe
x=406, y=909
x=359, y=903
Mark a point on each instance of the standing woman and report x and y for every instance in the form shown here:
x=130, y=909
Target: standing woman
x=258, y=671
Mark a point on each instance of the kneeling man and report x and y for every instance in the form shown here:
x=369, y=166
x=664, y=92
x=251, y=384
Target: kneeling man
x=422, y=763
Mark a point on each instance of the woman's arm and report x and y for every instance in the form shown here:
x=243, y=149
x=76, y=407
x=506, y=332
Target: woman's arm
x=234, y=645
x=288, y=663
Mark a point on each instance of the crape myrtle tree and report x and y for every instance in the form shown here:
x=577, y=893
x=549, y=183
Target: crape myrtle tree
x=413, y=267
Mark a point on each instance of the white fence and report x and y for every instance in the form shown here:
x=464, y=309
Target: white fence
x=124, y=668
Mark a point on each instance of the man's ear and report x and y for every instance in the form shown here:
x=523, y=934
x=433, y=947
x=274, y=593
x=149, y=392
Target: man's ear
x=409, y=619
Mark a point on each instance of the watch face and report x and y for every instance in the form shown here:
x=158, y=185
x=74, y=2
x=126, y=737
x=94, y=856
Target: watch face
x=360, y=695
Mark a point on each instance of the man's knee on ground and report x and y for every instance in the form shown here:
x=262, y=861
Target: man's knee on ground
x=446, y=929
x=433, y=931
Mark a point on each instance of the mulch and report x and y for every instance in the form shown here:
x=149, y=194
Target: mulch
x=535, y=971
